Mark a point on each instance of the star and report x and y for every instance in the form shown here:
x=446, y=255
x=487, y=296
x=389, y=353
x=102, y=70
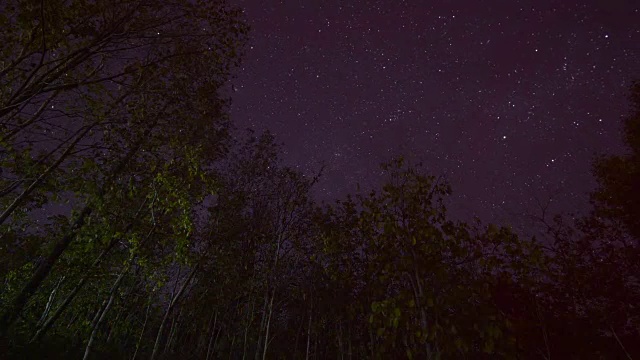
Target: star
x=457, y=73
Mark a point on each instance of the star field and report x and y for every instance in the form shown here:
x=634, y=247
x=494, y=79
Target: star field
x=509, y=100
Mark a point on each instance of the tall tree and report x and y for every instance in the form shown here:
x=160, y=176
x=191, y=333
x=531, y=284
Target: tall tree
x=617, y=198
x=586, y=305
x=418, y=284
x=101, y=103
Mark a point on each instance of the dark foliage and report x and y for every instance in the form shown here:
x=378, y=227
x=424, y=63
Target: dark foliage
x=134, y=225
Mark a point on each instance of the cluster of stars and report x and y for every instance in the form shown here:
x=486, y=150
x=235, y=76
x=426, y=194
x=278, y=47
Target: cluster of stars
x=507, y=101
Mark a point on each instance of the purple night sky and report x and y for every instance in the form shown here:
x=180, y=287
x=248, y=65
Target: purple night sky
x=510, y=99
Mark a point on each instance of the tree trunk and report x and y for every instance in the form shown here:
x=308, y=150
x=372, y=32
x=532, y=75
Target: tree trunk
x=233, y=341
x=268, y=305
x=103, y=312
x=173, y=302
x=340, y=345
x=268, y=324
x=175, y=324
x=309, y=332
x=47, y=308
x=215, y=341
x=144, y=325
x=246, y=329
x=295, y=346
x=212, y=331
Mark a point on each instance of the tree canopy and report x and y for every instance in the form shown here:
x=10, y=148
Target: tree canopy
x=135, y=223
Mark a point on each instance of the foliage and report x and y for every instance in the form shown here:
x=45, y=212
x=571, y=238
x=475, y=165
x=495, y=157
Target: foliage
x=133, y=224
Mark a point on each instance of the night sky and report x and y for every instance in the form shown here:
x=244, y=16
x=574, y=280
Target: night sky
x=509, y=99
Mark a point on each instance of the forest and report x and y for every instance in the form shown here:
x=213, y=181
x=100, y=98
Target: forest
x=136, y=224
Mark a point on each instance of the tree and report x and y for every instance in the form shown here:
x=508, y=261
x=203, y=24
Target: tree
x=251, y=272
x=102, y=104
x=617, y=199
x=417, y=284
x=590, y=285
x=612, y=242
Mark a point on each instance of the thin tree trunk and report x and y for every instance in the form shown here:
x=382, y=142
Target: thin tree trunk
x=103, y=312
x=74, y=317
x=246, y=329
x=144, y=325
x=175, y=324
x=340, y=345
x=315, y=350
x=116, y=322
x=295, y=346
x=169, y=309
x=47, y=307
x=123, y=309
x=167, y=343
x=309, y=332
x=212, y=331
x=263, y=321
x=160, y=330
x=215, y=341
x=96, y=323
x=350, y=348
x=268, y=306
x=233, y=341
x=266, y=335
